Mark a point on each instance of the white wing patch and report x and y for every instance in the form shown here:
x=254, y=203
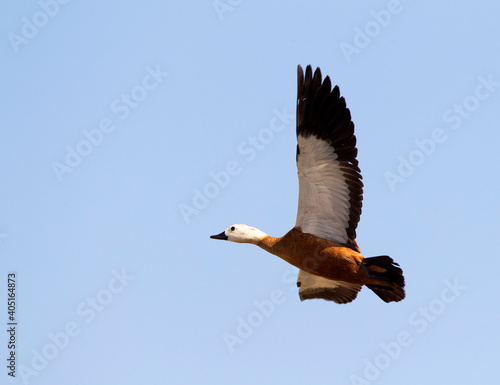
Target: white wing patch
x=312, y=286
x=324, y=207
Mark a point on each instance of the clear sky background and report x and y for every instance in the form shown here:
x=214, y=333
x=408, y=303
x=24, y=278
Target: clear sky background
x=132, y=131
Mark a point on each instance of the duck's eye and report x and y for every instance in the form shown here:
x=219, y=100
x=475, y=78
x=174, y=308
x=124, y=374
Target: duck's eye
x=233, y=228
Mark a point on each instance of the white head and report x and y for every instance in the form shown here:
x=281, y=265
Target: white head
x=241, y=234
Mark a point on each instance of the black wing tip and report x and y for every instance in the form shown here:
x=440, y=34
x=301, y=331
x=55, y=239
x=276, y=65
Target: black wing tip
x=323, y=113
x=300, y=75
x=309, y=75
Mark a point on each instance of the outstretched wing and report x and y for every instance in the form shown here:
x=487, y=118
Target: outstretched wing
x=330, y=187
x=312, y=286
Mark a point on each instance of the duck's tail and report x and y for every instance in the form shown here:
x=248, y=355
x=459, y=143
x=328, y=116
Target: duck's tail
x=390, y=276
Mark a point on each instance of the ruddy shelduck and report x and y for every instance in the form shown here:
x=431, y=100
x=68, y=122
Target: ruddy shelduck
x=322, y=243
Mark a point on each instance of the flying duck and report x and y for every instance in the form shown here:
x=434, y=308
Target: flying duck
x=322, y=244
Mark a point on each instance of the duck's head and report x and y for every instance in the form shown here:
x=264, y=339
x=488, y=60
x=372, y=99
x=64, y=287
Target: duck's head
x=241, y=234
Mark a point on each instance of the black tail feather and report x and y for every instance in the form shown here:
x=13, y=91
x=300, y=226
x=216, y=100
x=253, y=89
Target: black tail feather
x=388, y=293
x=384, y=269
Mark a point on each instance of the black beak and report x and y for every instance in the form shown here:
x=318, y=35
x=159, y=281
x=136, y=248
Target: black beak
x=222, y=236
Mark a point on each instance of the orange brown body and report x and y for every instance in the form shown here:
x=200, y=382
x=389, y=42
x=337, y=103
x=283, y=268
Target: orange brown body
x=320, y=257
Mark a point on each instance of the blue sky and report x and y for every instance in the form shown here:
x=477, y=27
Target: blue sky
x=132, y=131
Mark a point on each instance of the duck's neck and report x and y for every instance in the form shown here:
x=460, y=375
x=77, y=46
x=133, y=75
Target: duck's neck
x=269, y=244
x=274, y=246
